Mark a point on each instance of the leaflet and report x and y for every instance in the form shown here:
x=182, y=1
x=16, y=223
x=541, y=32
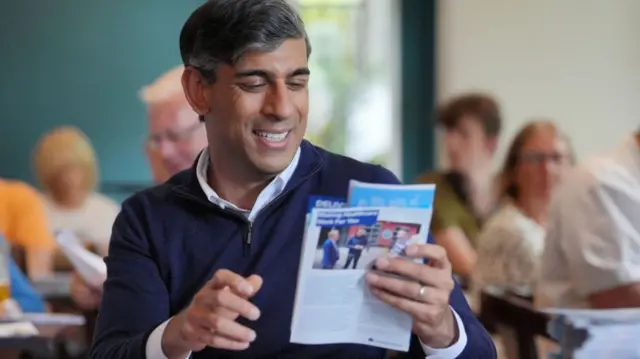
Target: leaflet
x=333, y=302
x=90, y=266
x=363, y=194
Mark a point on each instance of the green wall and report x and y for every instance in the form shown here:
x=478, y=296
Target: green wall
x=82, y=63
x=418, y=31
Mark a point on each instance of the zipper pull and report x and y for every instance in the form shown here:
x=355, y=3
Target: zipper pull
x=247, y=239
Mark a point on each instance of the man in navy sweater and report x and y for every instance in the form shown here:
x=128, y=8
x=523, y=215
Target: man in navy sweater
x=206, y=264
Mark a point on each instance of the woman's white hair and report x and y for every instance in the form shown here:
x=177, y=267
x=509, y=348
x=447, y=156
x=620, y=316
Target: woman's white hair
x=165, y=87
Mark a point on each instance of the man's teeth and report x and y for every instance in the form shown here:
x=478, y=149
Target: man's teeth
x=274, y=137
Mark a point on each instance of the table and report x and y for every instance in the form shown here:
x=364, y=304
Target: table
x=41, y=345
x=53, y=287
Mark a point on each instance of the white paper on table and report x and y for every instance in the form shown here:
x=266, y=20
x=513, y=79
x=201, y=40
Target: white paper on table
x=90, y=266
x=587, y=317
x=43, y=319
x=17, y=329
x=596, y=333
x=617, y=341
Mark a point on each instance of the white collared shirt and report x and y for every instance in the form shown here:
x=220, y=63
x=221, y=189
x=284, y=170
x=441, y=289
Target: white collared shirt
x=273, y=189
x=593, y=239
x=269, y=193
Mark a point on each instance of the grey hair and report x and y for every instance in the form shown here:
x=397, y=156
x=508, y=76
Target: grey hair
x=222, y=31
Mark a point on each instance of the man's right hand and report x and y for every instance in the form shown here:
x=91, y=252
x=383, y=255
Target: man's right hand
x=210, y=319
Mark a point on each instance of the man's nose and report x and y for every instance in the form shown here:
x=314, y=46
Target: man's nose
x=165, y=147
x=278, y=102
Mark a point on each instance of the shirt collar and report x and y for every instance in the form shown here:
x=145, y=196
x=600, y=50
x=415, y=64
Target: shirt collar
x=277, y=185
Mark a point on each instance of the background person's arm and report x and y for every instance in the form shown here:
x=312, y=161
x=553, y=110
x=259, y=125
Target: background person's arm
x=31, y=231
x=600, y=237
x=461, y=253
x=447, y=231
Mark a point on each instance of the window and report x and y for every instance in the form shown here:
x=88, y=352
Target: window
x=352, y=88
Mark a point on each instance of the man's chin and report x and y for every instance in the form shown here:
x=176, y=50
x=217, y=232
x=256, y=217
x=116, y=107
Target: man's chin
x=173, y=169
x=273, y=165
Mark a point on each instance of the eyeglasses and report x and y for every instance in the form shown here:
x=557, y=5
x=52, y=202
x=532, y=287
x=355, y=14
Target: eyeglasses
x=173, y=136
x=542, y=157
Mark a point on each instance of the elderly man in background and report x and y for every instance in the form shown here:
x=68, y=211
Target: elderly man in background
x=176, y=136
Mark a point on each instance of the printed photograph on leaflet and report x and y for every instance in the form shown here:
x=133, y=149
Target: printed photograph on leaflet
x=356, y=246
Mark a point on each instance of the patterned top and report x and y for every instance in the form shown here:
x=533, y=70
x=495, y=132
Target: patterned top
x=509, y=249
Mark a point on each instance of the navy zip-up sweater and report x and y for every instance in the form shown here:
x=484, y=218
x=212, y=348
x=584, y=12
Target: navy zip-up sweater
x=169, y=240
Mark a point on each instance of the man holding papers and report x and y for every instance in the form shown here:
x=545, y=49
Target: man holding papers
x=206, y=264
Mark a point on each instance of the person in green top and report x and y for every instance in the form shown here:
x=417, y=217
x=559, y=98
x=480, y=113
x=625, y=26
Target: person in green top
x=465, y=191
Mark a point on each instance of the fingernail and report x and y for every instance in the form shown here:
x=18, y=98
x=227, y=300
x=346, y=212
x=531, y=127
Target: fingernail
x=245, y=288
x=371, y=278
x=382, y=263
x=252, y=336
x=254, y=314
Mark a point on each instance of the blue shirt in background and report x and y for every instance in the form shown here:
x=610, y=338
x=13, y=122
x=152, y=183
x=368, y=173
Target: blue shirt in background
x=22, y=291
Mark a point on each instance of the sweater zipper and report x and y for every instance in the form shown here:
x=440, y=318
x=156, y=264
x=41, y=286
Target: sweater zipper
x=248, y=239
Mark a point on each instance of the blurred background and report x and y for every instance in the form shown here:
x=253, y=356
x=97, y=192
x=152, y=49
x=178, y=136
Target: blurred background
x=379, y=67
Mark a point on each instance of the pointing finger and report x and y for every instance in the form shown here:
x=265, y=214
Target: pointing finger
x=226, y=278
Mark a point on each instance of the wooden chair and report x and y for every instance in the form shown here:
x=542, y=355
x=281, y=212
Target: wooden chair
x=517, y=313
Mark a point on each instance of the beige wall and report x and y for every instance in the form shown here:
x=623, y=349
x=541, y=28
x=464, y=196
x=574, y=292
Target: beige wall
x=577, y=61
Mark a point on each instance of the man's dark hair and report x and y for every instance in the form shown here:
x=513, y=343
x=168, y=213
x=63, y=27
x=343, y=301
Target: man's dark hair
x=480, y=107
x=222, y=31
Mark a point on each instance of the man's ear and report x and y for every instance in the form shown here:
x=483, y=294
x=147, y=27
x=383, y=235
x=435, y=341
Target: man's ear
x=195, y=89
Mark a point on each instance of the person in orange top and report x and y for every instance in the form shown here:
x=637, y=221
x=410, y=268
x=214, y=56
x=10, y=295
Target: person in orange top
x=24, y=223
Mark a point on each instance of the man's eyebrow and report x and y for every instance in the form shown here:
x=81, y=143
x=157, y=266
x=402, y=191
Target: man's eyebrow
x=250, y=73
x=303, y=71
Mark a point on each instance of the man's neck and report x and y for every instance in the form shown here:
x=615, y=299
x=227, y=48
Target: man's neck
x=234, y=187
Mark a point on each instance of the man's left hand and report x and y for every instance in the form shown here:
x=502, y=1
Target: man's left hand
x=424, y=294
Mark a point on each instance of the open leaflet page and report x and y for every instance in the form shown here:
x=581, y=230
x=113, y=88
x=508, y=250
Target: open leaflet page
x=333, y=302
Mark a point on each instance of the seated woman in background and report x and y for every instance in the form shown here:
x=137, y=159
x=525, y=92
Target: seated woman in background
x=512, y=240
x=66, y=166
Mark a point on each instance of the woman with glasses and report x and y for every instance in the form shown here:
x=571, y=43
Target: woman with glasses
x=513, y=238
x=511, y=242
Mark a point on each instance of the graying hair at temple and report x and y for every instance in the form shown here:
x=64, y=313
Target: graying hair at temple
x=222, y=31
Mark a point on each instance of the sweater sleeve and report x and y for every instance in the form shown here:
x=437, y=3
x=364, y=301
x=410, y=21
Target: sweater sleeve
x=133, y=290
